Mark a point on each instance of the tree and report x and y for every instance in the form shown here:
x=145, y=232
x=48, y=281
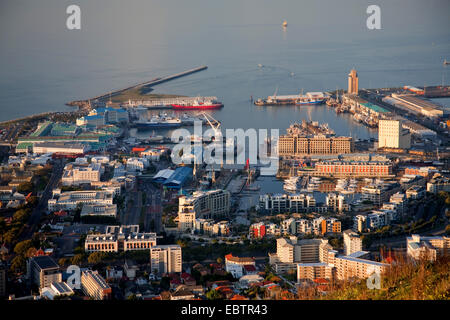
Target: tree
x=63, y=261
x=77, y=259
x=25, y=187
x=213, y=295
x=219, y=260
x=31, y=252
x=21, y=215
x=18, y=264
x=96, y=257
x=22, y=247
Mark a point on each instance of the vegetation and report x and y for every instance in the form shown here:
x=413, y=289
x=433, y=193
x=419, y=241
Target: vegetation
x=404, y=281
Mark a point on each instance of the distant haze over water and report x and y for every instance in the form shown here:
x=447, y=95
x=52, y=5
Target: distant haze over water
x=43, y=65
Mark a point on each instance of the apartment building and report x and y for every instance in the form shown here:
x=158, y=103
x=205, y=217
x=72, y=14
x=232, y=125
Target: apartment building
x=292, y=251
x=419, y=247
x=165, y=259
x=348, y=267
x=438, y=183
x=316, y=270
x=336, y=202
x=204, y=205
x=352, y=242
x=43, y=271
x=211, y=228
x=94, y=286
x=282, y=203
x=120, y=238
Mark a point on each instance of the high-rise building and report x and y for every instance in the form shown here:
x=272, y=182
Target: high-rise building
x=166, y=259
x=353, y=82
x=392, y=135
x=94, y=286
x=43, y=271
x=352, y=242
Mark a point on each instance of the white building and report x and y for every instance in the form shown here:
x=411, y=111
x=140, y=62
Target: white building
x=165, y=259
x=99, y=210
x=239, y=266
x=137, y=164
x=120, y=238
x=392, y=135
x=202, y=204
x=352, y=242
x=70, y=200
x=429, y=248
x=81, y=174
x=60, y=147
x=438, y=183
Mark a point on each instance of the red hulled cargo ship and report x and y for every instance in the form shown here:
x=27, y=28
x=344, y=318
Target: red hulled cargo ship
x=198, y=103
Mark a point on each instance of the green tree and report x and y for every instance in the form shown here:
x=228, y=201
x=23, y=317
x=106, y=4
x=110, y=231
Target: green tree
x=213, y=295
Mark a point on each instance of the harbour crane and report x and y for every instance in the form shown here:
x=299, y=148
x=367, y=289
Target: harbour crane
x=211, y=121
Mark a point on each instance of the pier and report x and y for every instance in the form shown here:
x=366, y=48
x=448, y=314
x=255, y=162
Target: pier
x=152, y=82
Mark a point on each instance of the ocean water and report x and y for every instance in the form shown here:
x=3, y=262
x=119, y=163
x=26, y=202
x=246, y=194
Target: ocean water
x=43, y=65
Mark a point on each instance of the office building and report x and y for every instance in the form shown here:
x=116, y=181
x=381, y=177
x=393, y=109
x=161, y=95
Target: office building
x=391, y=134
x=43, y=271
x=99, y=210
x=120, y=238
x=165, y=259
x=352, y=82
x=81, y=174
x=56, y=289
x=60, y=147
x=94, y=286
x=352, y=242
x=71, y=199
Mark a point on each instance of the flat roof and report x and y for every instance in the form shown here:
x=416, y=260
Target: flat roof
x=45, y=262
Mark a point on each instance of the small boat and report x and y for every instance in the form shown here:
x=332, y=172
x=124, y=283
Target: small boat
x=446, y=62
x=285, y=24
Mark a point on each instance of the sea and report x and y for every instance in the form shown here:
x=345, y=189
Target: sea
x=248, y=53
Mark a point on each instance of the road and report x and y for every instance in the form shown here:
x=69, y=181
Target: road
x=36, y=214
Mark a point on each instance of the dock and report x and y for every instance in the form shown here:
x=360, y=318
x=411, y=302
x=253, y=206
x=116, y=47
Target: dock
x=152, y=82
